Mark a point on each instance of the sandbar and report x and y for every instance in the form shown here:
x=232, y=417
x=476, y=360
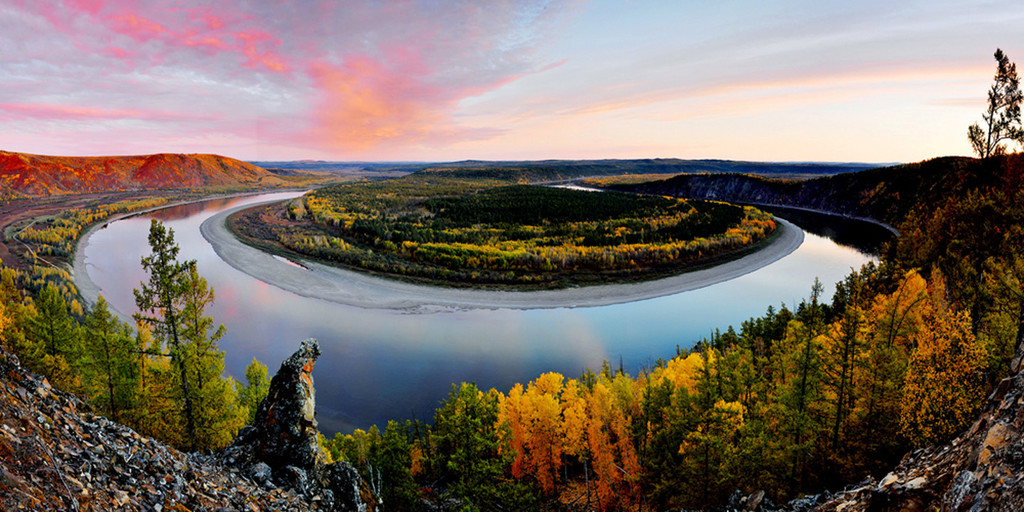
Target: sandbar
x=353, y=288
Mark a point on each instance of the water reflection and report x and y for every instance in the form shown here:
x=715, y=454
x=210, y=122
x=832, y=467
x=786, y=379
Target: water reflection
x=864, y=236
x=383, y=364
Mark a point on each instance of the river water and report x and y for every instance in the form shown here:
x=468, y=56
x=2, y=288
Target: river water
x=381, y=364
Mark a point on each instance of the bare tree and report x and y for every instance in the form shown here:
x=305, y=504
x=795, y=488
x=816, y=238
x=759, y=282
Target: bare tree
x=1002, y=119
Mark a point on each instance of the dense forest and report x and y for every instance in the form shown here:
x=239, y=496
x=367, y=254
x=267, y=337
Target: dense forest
x=479, y=229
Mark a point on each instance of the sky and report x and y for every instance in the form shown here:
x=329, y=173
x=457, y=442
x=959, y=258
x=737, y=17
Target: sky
x=432, y=80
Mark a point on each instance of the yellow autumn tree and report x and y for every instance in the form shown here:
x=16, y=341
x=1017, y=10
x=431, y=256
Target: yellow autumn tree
x=534, y=429
x=893, y=321
x=944, y=383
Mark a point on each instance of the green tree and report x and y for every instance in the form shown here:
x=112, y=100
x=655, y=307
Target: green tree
x=173, y=304
x=257, y=385
x=392, y=457
x=218, y=412
x=53, y=328
x=109, y=368
x=467, y=455
x=1002, y=118
x=53, y=341
x=160, y=304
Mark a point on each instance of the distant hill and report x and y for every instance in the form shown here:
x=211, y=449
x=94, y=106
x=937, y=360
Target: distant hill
x=38, y=175
x=568, y=169
x=885, y=194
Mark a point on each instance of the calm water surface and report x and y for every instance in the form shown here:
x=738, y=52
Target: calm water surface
x=386, y=364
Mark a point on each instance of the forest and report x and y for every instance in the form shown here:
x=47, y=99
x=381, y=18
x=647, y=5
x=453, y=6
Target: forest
x=480, y=229
x=140, y=374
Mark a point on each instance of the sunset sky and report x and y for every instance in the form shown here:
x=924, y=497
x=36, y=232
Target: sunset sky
x=432, y=80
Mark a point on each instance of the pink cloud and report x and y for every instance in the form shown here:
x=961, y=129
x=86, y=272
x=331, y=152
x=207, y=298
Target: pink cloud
x=172, y=29
x=248, y=45
x=364, y=103
x=347, y=76
x=138, y=27
x=56, y=112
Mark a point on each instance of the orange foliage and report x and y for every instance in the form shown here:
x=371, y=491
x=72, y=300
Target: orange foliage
x=38, y=175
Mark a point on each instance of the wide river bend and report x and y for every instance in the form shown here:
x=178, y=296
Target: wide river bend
x=392, y=350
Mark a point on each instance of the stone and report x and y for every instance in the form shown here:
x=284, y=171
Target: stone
x=47, y=463
x=283, y=441
x=344, y=484
x=260, y=473
x=285, y=424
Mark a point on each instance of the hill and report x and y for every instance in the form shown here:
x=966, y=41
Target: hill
x=535, y=170
x=39, y=175
x=885, y=194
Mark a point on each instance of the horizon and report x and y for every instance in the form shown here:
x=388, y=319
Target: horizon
x=439, y=162
x=783, y=82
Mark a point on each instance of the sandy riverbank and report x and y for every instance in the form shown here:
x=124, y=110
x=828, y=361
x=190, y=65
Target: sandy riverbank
x=88, y=289
x=366, y=291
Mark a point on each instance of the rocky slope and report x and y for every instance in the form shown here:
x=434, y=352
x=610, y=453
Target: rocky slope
x=982, y=469
x=38, y=175
x=56, y=455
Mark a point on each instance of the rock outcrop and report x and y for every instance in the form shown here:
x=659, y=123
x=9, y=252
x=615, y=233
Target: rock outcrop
x=280, y=449
x=982, y=469
x=56, y=455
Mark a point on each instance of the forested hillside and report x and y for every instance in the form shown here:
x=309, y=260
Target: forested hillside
x=23, y=174
x=884, y=194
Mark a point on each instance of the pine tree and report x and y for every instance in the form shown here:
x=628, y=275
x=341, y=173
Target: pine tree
x=173, y=305
x=53, y=328
x=53, y=341
x=109, y=366
x=1002, y=118
x=257, y=385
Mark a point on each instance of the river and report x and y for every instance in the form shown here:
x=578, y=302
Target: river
x=386, y=363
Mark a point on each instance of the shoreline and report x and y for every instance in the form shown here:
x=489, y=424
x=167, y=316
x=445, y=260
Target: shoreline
x=356, y=289
x=88, y=290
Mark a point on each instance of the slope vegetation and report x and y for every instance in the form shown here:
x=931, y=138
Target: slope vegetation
x=885, y=194
x=23, y=174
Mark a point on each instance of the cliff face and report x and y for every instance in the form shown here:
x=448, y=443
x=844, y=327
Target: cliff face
x=56, y=455
x=885, y=194
x=37, y=175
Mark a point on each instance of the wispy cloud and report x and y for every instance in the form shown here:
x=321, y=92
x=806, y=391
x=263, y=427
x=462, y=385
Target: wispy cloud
x=343, y=77
x=421, y=79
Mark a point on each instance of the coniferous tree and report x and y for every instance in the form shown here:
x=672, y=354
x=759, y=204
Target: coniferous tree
x=173, y=305
x=53, y=328
x=109, y=366
x=257, y=385
x=1002, y=118
x=160, y=304
x=53, y=344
